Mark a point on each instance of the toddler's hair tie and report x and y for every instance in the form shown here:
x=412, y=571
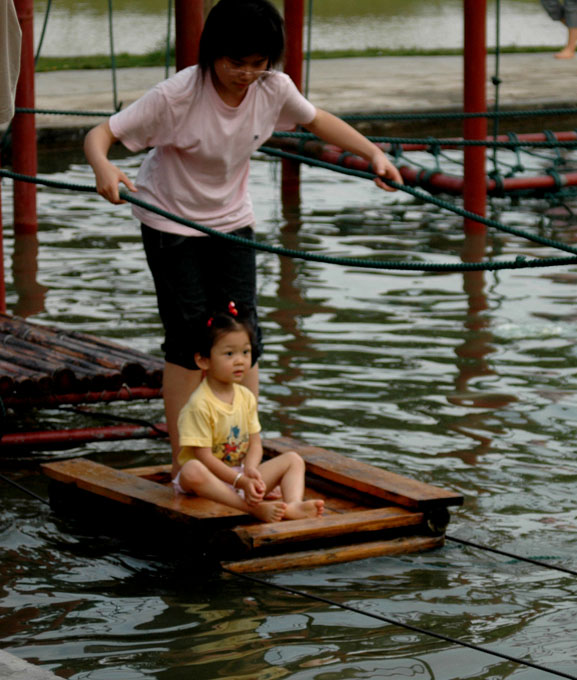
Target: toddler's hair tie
x=232, y=309
x=209, y=322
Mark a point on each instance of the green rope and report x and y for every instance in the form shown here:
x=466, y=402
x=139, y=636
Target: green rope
x=59, y=112
x=519, y=263
x=511, y=143
x=456, y=115
x=112, y=56
x=392, y=116
x=167, y=52
x=43, y=31
x=427, y=198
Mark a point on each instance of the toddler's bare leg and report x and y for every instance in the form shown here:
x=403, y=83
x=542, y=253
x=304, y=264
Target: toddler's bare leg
x=196, y=477
x=289, y=470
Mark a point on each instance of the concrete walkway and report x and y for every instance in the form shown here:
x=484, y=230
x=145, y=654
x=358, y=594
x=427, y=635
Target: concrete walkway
x=378, y=84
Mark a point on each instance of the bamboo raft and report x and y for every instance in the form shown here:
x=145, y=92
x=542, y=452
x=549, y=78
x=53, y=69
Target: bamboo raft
x=368, y=512
x=43, y=365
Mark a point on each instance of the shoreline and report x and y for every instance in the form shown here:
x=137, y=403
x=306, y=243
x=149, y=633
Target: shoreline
x=158, y=59
x=343, y=86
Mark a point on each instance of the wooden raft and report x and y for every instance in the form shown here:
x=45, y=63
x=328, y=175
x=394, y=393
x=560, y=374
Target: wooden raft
x=41, y=364
x=368, y=512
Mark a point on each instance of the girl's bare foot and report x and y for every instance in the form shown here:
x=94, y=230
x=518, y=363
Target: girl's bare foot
x=565, y=53
x=304, y=509
x=269, y=511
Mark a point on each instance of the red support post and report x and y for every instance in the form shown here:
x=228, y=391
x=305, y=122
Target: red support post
x=189, y=20
x=2, y=272
x=475, y=101
x=294, y=16
x=24, y=151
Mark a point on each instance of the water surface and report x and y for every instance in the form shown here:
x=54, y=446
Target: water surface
x=465, y=381
x=82, y=27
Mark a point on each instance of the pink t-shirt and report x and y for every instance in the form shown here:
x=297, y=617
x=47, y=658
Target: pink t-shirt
x=199, y=165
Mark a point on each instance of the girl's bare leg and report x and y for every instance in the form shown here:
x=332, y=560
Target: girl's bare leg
x=568, y=52
x=196, y=477
x=288, y=470
x=178, y=384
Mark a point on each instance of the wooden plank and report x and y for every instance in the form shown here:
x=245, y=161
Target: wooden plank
x=130, y=489
x=261, y=535
x=319, y=558
x=366, y=478
x=155, y=473
x=161, y=475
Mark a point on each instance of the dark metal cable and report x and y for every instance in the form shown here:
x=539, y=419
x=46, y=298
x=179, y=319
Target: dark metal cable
x=512, y=555
x=111, y=416
x=401, y=624
x=357, y=610
x=23, y=488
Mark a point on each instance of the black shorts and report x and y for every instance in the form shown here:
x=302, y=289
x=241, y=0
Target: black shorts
x=195, y=276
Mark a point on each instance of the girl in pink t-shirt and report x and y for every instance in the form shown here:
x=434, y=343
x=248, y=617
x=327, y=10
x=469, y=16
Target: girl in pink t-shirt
x=203, y=125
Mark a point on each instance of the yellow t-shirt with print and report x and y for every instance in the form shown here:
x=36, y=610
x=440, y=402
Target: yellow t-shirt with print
x=206, y=421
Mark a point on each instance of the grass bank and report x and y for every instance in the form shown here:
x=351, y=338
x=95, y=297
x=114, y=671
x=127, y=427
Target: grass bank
x=158, y=58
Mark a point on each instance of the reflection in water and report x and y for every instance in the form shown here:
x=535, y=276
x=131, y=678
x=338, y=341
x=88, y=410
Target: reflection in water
x=31, y=294
x=478, y=343
x=291, y=307
x=356, y=361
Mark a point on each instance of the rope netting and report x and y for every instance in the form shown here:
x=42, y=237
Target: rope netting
x=541, y=164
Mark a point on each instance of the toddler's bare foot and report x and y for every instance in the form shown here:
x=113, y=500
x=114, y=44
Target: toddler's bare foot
x=269, y=511
x=304, y=509
x=565, y=53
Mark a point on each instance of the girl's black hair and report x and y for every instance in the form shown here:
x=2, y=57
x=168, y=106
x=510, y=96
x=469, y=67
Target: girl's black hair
x=241, y=28
x=221, y=323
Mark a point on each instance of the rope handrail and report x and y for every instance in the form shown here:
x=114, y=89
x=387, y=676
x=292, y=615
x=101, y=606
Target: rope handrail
x=427, y=198
x=354, y=117
x=60, y=112
x=459, y=115
x=512, y=143
x=519, y=263
x=431, y=142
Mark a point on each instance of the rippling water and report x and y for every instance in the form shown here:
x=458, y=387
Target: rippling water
x=465, y=381
x=81, y=27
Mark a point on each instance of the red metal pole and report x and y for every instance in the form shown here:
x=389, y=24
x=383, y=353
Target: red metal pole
x=294, y=16
x=189, y=19
x=65, y=438
x=24, y=152
x=475, y=101
x=2, y=272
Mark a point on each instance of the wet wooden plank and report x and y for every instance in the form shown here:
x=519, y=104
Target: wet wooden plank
x=366, y=478
x=161, y=475
x=129, y=489
x=318, y=558
x=155, y=473
x=255, y=536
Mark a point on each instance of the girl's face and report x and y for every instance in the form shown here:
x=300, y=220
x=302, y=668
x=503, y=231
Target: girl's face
x=232, y=76
x=230, y=357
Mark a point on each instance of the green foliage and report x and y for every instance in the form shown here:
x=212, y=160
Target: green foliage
x=158, y=57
